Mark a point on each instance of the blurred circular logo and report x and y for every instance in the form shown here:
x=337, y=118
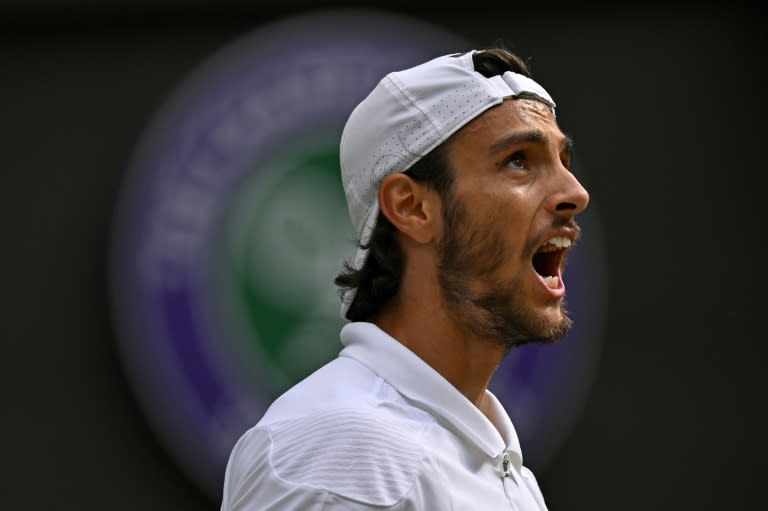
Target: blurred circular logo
x=231, y=225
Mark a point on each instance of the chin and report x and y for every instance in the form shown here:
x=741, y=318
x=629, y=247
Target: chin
x=519, y=328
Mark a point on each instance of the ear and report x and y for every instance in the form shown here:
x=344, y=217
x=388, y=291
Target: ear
x=412, y=207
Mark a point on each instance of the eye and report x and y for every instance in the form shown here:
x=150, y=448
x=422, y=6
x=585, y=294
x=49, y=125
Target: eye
x=566, y=155
x=516, y=161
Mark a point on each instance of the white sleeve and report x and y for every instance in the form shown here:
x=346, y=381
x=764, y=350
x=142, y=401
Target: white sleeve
x=252, y=484
x=268, y=473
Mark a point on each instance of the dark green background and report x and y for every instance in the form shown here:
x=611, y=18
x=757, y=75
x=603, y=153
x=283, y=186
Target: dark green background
x=665, y=104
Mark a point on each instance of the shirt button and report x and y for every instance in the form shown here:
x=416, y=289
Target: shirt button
x=506, y=465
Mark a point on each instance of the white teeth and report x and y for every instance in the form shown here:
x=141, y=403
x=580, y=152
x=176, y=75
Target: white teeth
x=560, y=241
x=555, y=243
x=552, y=281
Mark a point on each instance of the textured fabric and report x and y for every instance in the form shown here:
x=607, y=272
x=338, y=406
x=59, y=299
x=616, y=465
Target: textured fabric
x=377, y=428
x=377, y=454
x=408, y=114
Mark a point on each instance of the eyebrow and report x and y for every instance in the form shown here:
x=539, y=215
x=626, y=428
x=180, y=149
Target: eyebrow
x=536, y=137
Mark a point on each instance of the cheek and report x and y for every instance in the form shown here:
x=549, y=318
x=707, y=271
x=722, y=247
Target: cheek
x=499, y=208
x=513, y=215
x=515, y=226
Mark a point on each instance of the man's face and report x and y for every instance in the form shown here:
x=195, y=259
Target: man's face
x=508, y=223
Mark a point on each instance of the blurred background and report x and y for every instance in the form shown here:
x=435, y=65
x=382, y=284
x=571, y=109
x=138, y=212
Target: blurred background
x=139, y=335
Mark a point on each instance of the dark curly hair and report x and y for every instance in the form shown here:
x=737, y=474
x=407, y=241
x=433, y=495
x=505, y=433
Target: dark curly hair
x=378, y=281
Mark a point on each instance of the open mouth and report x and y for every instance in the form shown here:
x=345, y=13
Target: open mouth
x=548, y=260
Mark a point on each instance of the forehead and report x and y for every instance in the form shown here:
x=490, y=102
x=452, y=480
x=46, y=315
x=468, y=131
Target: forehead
x=509, y=117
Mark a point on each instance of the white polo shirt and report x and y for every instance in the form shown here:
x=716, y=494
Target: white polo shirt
x=379, y=429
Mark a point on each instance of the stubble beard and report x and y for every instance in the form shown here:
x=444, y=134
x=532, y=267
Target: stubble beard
x=494, y=312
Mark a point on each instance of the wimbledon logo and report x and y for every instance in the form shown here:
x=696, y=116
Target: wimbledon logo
x=232, y=224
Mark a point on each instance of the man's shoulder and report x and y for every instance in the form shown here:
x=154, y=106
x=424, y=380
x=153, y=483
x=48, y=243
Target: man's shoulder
x=368, y=454
x=341, y=388
x=369, y=422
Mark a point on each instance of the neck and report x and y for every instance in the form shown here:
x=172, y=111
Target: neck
x=419, y=320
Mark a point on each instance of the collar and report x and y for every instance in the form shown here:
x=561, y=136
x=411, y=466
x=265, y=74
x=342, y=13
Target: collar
x=491, y=431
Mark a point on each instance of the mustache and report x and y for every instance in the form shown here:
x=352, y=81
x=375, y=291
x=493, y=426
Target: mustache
x=569, y=223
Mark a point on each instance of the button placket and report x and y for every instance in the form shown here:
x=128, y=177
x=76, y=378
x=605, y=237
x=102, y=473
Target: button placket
x=508, y=479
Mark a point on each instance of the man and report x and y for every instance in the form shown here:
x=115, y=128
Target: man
x=457, y=180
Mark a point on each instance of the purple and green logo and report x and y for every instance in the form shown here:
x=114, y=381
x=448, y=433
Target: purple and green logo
x=232, y=224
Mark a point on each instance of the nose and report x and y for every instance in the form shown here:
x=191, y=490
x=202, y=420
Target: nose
x=570, y=197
